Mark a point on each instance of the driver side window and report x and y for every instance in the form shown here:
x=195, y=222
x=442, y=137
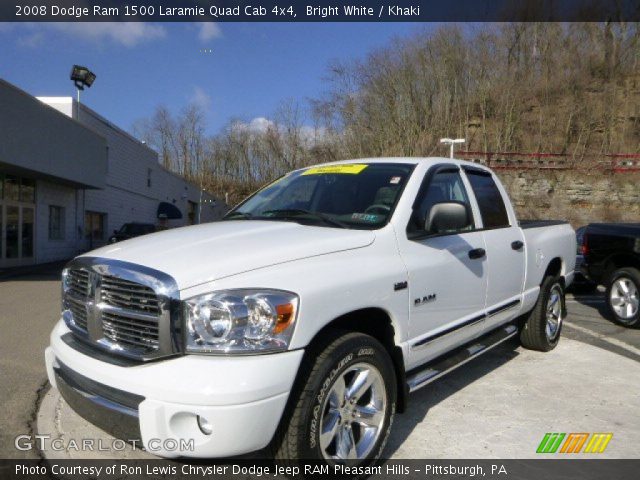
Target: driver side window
x=445, y=186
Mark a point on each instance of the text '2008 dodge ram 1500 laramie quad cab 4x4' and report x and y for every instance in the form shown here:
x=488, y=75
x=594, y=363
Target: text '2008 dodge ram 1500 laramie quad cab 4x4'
x=303, y=319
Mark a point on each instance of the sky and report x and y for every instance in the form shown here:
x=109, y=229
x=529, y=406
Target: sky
x=232, y=70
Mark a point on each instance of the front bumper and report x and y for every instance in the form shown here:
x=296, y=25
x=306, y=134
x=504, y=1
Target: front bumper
x=241, y=397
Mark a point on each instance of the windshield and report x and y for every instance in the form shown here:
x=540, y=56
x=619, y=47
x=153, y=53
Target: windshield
x=346, y=196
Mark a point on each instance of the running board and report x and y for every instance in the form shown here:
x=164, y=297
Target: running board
x=439, y=367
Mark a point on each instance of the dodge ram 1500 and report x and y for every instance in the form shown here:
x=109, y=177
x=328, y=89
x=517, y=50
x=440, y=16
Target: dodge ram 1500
x=303, y=319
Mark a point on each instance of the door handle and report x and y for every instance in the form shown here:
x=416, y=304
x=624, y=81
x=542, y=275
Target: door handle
x=477, y=253
x=517, y=245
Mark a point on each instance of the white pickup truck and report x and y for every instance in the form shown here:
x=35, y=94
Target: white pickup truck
x=303, y=320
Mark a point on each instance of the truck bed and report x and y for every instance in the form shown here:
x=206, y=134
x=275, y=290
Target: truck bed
x=525, y=224
x=546, y=240
x=615, y=229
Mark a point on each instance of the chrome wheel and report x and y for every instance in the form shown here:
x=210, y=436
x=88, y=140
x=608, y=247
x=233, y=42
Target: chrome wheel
x=554, y=312
x=353, y=413
x=624, y=299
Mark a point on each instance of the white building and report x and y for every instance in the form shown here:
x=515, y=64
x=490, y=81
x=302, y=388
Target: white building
x=69, y=178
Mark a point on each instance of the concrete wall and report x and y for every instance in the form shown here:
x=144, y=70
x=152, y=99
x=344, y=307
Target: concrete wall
x=575, y=195
x=35, y=138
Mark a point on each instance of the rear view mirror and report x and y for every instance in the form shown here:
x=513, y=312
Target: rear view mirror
x=446, y=217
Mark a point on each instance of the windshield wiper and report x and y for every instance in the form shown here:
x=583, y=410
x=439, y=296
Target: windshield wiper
x=238, y=216
x=288, y=212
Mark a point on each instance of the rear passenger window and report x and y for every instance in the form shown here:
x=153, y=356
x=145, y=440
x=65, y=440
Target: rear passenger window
x=492, y=208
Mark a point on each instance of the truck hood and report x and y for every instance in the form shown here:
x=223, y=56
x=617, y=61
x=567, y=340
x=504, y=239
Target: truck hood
x=203, y=253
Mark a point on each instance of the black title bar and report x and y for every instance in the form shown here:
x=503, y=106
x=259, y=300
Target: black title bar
x=549, y=469
x=319, y=11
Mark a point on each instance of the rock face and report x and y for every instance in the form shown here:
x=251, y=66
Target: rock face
x=577, y=196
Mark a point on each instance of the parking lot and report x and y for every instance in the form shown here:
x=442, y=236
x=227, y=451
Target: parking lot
x=498, y=406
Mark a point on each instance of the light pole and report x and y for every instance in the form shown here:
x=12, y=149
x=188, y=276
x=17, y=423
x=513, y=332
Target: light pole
x=451, y=142
x=82, y=77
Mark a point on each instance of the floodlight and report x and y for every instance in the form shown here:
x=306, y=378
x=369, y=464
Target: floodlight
x=82, y=77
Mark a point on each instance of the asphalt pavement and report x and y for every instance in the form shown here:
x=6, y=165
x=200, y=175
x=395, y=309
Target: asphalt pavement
x=29, y=307
x=498, y=406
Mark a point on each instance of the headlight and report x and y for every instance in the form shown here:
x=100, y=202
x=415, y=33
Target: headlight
x=240, y=321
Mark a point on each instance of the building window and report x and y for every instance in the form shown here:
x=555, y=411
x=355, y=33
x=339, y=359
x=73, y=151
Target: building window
x=94, y=225
x=11, y=188
x=149, y=177
x=17, y=189
x=28, y=190
x=28, y=218
x=56, y=223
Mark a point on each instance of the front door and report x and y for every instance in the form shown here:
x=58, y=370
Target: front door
x=16, y=234
x=17, y=221
x=447, y=287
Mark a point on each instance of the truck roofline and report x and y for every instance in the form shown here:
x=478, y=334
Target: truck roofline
x=407, y=160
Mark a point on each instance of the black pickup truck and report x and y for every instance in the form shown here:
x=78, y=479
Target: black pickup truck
x=611, y=254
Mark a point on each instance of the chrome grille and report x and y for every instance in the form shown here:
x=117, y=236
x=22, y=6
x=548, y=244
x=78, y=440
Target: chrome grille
x=133, y=320
x=79, y=312
x=77, y=296
x=129, y=295
x=122, y=307
x=79, y=283
x=130, y=332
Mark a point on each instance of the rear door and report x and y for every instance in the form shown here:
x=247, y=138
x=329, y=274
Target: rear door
x=447, y=287
x=505, y=247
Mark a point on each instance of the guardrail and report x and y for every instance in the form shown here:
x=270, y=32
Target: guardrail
x=614, y=163
x=625, y=162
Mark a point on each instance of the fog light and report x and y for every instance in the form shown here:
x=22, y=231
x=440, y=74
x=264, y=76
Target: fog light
x=205, y=426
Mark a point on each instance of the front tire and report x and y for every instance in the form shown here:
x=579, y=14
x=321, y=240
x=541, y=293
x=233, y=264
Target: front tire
x=623, y=296
x=542, y=326
x=343, y=406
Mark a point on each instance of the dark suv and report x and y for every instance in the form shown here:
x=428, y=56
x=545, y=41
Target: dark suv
x=131, y=230
x=611, y=257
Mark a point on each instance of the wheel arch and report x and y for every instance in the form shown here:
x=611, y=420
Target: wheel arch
x=555, y=268
x=377, y=323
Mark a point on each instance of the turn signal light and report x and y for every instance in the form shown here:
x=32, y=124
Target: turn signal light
x=285, y=317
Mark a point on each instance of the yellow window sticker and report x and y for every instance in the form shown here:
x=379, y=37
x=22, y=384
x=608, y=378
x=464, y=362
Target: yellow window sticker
x=350, y=168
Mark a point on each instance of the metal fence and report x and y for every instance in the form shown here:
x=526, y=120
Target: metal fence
x=611, y=163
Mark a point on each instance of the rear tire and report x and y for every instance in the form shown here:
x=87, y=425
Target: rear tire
x=543, y=325
x=623, y=296
x=328, y=416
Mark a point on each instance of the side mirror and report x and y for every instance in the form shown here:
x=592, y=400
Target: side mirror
x=447, y=217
